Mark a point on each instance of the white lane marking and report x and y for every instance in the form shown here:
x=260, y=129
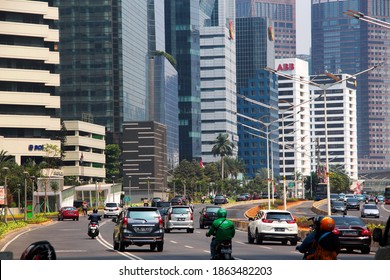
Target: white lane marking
x=265, y=247
x=384, y=208
x=173, y=241
x=240, y=242
x=206, y=251
x=70, y=251
x=189, y=247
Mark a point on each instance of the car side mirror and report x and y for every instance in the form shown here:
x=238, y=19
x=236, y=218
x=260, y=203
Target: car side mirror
x=377, y=235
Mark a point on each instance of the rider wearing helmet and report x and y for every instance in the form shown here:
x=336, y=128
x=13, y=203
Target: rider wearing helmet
x=222, y=229
x=307, y=248
x=327, y=243
x=94, y=217
x=41, y=250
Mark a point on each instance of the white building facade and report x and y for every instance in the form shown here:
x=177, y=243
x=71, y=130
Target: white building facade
x=294, y=123
x=341, y=123
x=218, y=76
x=29, y=117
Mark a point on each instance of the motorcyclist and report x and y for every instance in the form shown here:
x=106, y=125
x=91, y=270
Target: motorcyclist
x=307, y=248
x=221, y=229
x=94, y=217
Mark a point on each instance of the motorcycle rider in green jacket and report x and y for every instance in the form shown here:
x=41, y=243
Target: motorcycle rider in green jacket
x=221, y=229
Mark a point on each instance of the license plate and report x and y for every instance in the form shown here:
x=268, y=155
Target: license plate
x=181, y=219
x=279, y=229
x=226, y=251
x=143, y=229
x=110, y=210
x=351, y=233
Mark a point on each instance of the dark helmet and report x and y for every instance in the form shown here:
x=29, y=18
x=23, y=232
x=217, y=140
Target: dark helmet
x=221, y=213
x=94, y=210
x=41, y=250
x=317, y=221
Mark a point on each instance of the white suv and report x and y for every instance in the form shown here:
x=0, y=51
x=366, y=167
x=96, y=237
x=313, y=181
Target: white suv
x=273, y=225
x=112, y=209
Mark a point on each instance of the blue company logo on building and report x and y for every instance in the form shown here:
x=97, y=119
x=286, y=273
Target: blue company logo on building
x=32, y=147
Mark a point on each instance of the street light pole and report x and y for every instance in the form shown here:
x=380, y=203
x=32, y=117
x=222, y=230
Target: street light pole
x=112, y=189
x=5, y=169
x=130, y=190
x=25, y=195
x=148, y=188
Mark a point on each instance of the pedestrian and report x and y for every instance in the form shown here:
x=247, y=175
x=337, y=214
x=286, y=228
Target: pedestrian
x=85, y=208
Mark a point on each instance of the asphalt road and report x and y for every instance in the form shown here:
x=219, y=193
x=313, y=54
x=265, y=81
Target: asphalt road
x=71, y=242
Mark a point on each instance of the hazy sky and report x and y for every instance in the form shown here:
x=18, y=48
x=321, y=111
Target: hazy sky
x=303, y=21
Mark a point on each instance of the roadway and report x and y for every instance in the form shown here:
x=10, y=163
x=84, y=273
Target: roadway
x=71, y=242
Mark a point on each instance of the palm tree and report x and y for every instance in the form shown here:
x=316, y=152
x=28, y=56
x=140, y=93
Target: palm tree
x=222, y=147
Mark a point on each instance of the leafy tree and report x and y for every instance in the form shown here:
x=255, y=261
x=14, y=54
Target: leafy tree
x=222, y=147
x=113, y=163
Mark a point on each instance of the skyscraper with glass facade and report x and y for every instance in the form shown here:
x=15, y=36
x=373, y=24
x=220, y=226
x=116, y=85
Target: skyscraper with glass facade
x=183, y=43
x=341, y=44
x=218, y=75
x=282, y=14
x=255, y=51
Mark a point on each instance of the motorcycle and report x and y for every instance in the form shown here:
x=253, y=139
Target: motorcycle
x=202, y=200
x=224, y=250
x=93, y=229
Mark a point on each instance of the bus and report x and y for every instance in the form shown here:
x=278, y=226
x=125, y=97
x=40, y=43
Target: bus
x=387, y=195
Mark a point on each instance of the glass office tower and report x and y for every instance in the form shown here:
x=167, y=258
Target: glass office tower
x=182, y=42
x=282, y=14
x=341, y=44
x=255, y=50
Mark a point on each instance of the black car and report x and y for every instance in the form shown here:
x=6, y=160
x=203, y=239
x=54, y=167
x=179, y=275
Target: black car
x=139, y=226
x=337, y=206
x=353, y=233
x=176, y=201
x=352, y=203
x=208, y=215
x=162, y=207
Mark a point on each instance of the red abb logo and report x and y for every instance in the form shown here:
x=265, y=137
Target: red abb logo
x=286, y=67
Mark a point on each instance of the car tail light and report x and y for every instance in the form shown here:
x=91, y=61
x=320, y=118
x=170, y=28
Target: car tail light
x=192, y=216
x=293, y=221
x=264, y=220
x=366, y=232
x=117, y=208
x=125, y=221
x=160, y=221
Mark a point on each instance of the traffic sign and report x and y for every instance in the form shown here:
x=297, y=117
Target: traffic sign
x=291, y=185
x=126, y=199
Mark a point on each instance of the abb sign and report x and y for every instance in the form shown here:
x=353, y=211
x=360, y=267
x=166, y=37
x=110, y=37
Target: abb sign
x=286, y=67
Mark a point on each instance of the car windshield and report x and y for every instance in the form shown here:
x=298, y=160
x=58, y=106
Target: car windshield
x=180, y=210
x=338, y=203
x=348, y=221
x=68, y=208
x=144, y=215
x=111, y=205
x=279, y=216
x=219, y=197
x=212, y=209
x=370, y=206
x=163, y=204
x=352, y=200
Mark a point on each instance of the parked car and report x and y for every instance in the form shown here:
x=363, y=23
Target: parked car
x=370, y=210
x=220, y=199
x=352, y=203
x=68, y=212
x=241, y=198
x=338, y=206
x=139, y=226
x=353, y=233
x=273, y=225
x=179, y=217
x=208, y=215
x=383, y=239
x=112, y=209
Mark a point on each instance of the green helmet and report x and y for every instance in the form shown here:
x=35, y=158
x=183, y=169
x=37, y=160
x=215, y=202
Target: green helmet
x=221, y=213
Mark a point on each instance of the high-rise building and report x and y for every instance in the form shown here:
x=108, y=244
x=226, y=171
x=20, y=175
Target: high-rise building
x=341, y=127
x=29, y=108
x=294, y=123
x=183, y=43
x=255, y=51
x=218, y=75
x=104, y=62
x=342, y=44
x=282, y=15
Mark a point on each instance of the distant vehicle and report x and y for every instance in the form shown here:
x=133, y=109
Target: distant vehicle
x=341, y=196
x=247, y=195
x=334, y=196
x=162, y=207
x=381, y=198
x=68, y=212
x=338, y=206
x=112, y=209
x=155, y=200
x=349, y=195
x=179, y=217
x=273, y=225
x=176, y=201
x=352, y=203
x=387, y=195
x=220, y=199
x=360, y=197
x=241, y=198
x=208, y=215
x=370, y=210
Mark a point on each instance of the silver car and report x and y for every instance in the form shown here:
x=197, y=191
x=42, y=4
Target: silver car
x=179, y=217
x=370, y=210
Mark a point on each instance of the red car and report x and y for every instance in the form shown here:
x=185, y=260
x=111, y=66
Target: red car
x=68, y=212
